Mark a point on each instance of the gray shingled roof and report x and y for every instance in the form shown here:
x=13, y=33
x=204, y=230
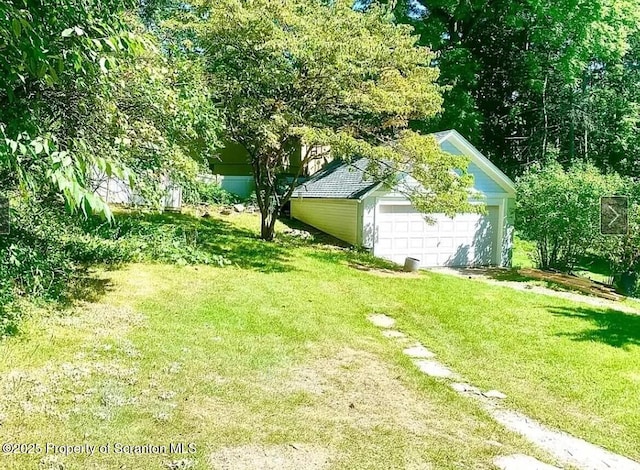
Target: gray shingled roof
x=340, y=180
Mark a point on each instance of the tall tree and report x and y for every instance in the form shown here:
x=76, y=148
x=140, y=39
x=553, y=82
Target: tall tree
x=52, y=53
x=83, y=85
x=521, y=75
x=327, y=75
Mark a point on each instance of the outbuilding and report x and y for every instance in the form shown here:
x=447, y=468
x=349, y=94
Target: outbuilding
x=343, y=201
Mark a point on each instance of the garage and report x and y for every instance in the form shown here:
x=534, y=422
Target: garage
x=343, y=201
x=465, y=240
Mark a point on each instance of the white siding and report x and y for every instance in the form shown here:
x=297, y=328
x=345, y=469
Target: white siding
x=114, y=190
x=508, y=231
x=337, y=217
x=368, y=217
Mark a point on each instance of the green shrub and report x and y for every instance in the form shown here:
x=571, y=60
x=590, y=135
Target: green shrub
x=33, y=260
x=201, y=192
x=559, y=210
x=149, y=237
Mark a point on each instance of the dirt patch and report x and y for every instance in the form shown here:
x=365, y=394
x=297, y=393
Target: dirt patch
x=351, y=403
x=37, y=391
x=357, y=388
x=275, y=457
x=102, y=320
x=104, y=365
x=382, y=272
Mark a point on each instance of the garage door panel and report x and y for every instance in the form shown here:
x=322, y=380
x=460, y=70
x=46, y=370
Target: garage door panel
x=462, y=226
x=445, y=242
x=430, y=260
x=417, y=227
x=401, y=227
x=416, y=243
x=445, y=226
x=385, y=244
x=401, y=244
x=430, y=242
x=468, y=239
x=385, y=227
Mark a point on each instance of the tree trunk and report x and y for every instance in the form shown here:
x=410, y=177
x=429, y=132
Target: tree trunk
x=572, y=129
x=268, y=226
x=546, y=119
x=266, y=194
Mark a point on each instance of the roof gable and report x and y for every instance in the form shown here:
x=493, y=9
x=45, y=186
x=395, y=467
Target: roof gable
x=465, y=147
x=340, y=180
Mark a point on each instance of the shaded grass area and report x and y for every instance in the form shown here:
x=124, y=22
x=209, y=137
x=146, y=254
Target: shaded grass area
x=186, y=238
x=274, y=349
x=610, y=327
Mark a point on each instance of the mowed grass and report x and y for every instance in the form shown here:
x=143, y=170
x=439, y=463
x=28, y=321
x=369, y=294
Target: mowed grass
x=272, y=357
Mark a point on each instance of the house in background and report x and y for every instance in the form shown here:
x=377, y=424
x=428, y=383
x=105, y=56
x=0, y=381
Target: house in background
x=233, y=171
x=343, y=201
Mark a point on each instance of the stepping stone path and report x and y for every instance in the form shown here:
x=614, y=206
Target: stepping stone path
x=434, y=369
x=565, y=448
x=495, y=394
x=521, y=462
x=465, y=388
x=418, y=351
x=382, y=321
x=393, y=334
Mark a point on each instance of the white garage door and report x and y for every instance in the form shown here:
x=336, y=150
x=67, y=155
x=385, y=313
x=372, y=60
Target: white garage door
x=466, y=240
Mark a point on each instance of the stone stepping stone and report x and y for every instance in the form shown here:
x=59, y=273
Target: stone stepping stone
x=521, y=462
x=418, y=351
x=465, y=388
x=393, y=334
x=564, y=447
x=434, y=369
x=494, y=394
x=381, y=320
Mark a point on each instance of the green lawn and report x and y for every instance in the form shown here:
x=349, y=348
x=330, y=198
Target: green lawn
x=274, y=353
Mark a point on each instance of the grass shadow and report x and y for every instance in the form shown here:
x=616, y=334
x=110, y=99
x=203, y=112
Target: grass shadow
x=594, y=264
x=88, y=288
x=355, y=259
x=612, y=327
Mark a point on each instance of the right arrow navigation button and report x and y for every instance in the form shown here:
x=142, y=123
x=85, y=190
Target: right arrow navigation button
x=613, y=215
